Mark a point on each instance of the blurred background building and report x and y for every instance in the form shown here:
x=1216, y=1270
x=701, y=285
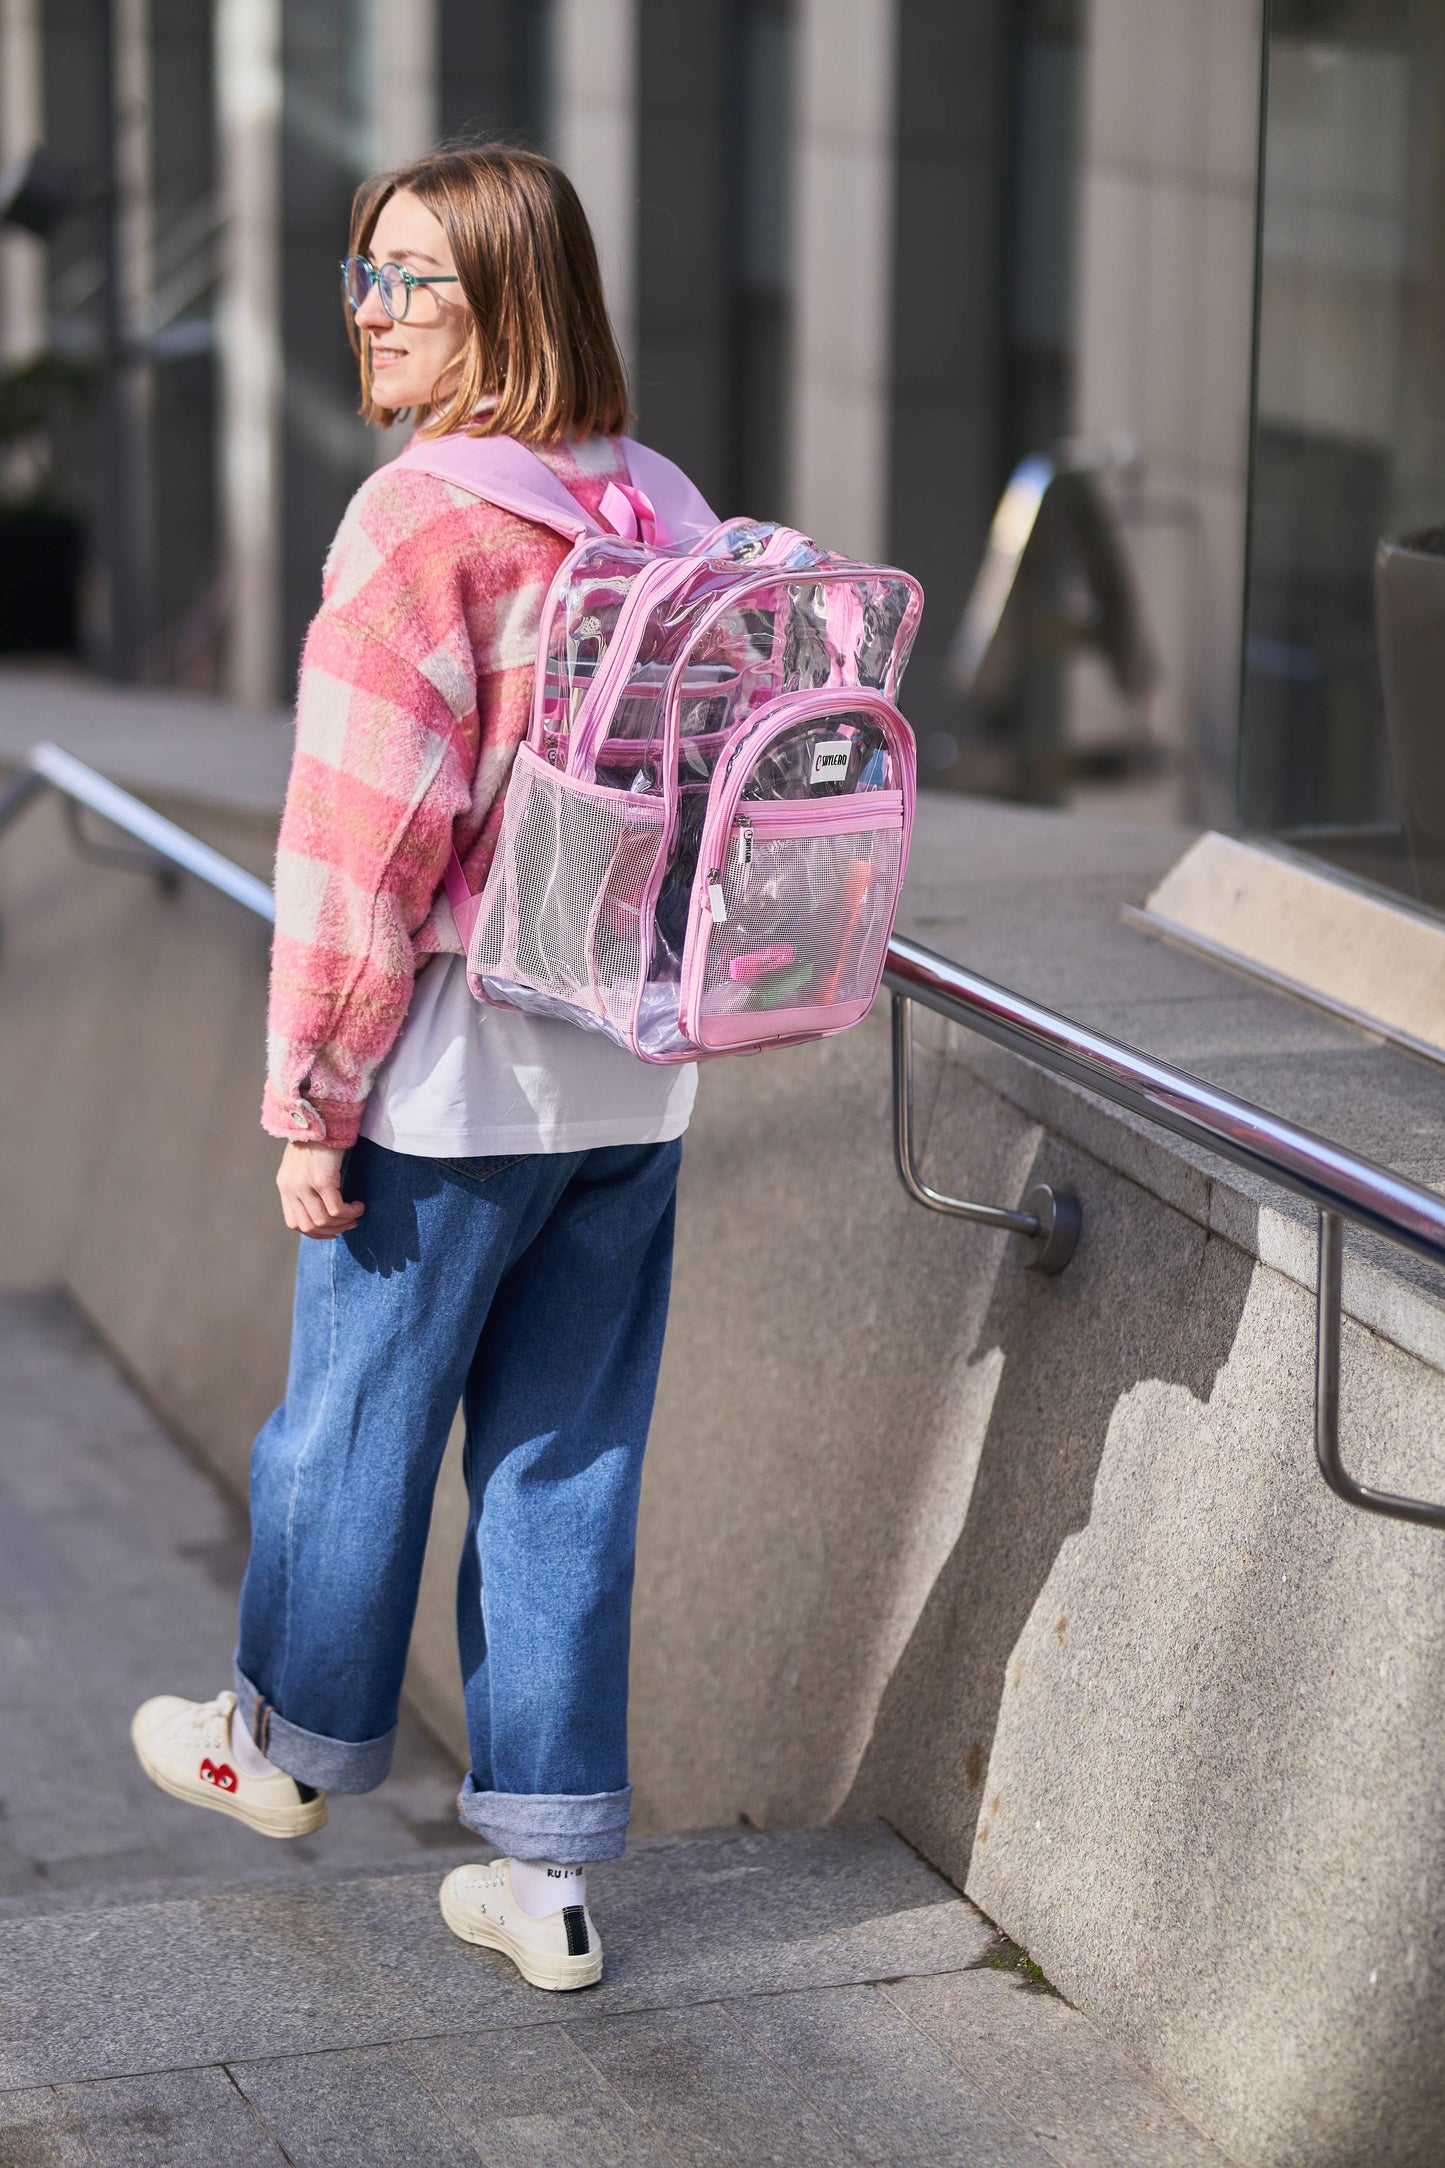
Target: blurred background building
x=865, y=256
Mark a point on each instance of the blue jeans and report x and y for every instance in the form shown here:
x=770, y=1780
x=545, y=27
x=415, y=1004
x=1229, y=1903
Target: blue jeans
x=534, y=1290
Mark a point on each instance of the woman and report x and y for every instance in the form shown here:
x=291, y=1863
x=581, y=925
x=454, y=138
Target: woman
x=486, y=1197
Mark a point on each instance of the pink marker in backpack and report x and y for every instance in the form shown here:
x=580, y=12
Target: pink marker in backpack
x=759, y=962
x=705, y=833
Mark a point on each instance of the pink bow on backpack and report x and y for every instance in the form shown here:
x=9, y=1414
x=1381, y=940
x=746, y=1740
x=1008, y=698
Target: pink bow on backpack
x=628, y=511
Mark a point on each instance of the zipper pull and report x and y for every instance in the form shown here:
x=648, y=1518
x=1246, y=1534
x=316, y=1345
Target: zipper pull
x=716, y=902
x=745, y=844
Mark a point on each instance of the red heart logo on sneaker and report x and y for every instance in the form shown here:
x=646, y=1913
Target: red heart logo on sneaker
x=221, y=1774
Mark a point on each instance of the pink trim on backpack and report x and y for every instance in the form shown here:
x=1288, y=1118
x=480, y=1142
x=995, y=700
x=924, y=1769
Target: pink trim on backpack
x=512, y=477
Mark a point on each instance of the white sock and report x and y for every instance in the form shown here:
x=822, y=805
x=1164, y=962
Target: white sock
x=540, y=1886
x=245, y=1753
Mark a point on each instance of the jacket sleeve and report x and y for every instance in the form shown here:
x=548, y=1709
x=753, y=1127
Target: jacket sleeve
x=385, y=744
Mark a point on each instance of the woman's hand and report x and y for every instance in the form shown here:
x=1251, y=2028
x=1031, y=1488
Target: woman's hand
x=309, y=1179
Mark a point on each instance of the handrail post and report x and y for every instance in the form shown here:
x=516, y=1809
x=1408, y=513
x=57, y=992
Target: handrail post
x=1329, y=1289
x=1054, y=1217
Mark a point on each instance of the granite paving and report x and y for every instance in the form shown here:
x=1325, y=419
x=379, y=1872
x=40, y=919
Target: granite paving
x=119, y=1565
x=174, y=1990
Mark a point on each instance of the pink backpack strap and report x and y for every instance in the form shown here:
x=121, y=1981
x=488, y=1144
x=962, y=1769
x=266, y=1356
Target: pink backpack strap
x=628, y=511
x=514, y=479
x=675, y=503
x=506, y=474
x=658, y=505
x=465, y=905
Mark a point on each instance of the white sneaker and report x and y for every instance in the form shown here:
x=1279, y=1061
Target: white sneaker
x=185, y=1748
x=559, y=1950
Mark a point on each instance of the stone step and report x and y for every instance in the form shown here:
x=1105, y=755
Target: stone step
x=174, y=1988
x=350, y=1961
x=809, y=1997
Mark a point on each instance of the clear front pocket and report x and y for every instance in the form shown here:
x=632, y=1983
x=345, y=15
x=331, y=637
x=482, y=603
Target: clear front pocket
x=794, y=918
x=560, y=925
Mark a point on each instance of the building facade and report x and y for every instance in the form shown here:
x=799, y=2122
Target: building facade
x=864, y=256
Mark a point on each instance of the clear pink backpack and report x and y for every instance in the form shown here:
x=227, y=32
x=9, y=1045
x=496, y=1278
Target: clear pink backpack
x=705, y=833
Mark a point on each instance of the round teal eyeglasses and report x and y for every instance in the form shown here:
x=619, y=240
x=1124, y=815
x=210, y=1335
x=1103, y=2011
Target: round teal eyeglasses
x=359, y=275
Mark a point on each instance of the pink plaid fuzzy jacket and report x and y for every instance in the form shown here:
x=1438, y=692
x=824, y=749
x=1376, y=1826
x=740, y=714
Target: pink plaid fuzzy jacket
x=416, y=687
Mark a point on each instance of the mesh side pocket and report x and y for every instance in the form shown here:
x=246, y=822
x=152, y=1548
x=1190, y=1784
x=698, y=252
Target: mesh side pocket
x=561, y=911
x=808, y=920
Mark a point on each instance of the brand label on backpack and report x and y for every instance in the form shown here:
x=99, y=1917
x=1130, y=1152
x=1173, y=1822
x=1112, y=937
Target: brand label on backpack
x=830, y=761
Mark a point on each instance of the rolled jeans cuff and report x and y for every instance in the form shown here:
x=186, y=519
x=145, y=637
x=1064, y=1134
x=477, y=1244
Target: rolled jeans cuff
x=331, y=1765
x=568, y=1827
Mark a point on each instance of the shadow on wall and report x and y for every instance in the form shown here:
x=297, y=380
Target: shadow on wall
x=1212, y=1797
x=875, y=1429
x=1148, y=1295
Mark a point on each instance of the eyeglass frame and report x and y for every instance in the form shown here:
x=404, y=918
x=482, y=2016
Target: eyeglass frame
x=408, y=279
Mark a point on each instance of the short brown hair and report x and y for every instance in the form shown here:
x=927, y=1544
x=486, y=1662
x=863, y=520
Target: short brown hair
x=542, y=349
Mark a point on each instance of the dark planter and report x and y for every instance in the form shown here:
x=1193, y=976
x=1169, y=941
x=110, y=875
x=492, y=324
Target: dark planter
x=1410, y=624
x=40, y=556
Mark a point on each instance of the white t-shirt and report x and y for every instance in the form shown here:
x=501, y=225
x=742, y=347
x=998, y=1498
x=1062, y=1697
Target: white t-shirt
x=464, y=1081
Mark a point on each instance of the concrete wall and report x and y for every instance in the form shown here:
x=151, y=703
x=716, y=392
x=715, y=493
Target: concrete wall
x=130, y=1027
x=843, y=259
x=1041, y=1572
x=1212, y=1806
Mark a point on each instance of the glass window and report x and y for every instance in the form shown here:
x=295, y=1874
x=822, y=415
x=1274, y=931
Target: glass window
x=1342, y=744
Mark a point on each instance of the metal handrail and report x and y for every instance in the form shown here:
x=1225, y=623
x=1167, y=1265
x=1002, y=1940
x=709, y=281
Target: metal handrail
x=1339, y=1183
x=50, y=766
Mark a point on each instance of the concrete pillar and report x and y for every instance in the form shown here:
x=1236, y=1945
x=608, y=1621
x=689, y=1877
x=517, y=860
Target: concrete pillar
x=133, y=161
x=405, y=107
x=689, y=195
x=947, y=420
x=22, y=257
x=132, y=597
x=595, y=131
x=1165, y=292
x=248, y=119
x=406, y=40
x=847, y=73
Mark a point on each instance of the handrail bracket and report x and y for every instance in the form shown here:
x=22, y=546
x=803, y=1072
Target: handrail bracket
x=1052, y=1217
x=1328, y=1312
x=159, y=869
